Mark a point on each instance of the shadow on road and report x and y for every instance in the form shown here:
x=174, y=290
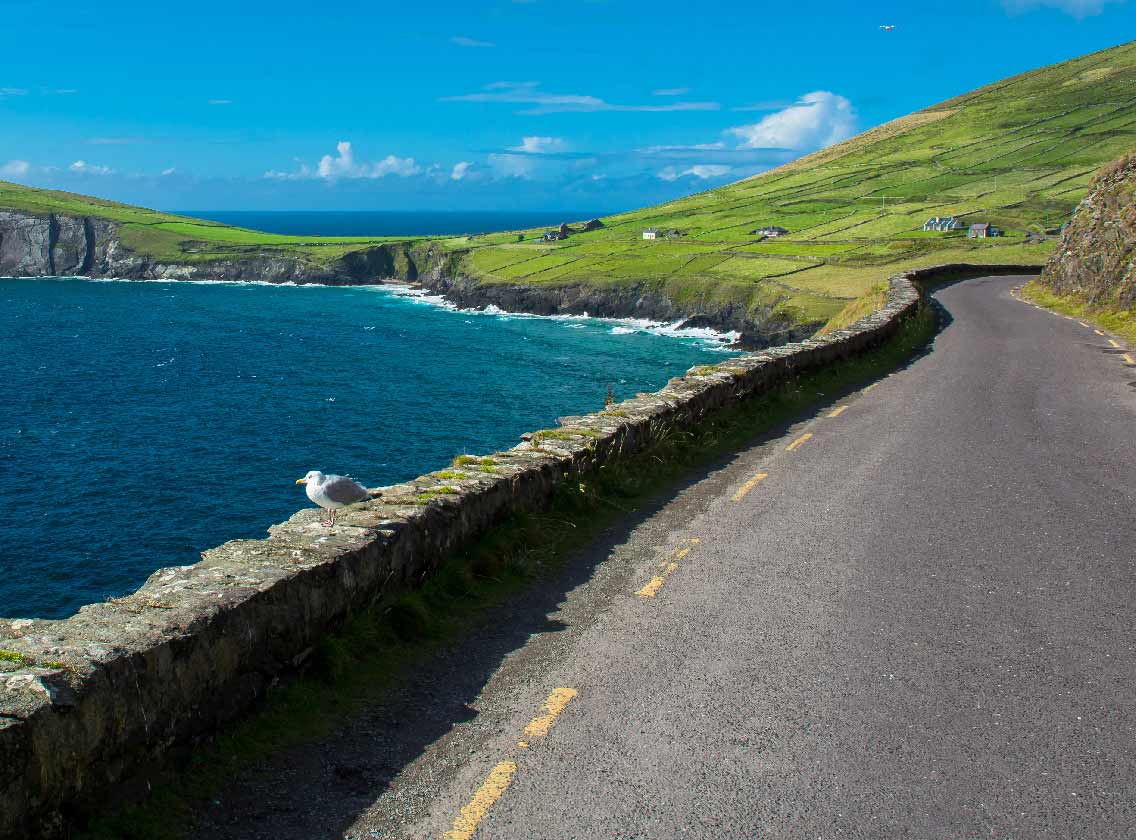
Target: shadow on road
x=317, y=791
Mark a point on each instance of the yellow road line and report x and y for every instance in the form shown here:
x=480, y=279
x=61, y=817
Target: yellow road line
x=838, y=412
x=557, y=701
x=1112, y=341
x=1083, y=324
x=495, y=784
x=652, y=588
x=1098, y=332
x=743, y=491
x=1128, y=359
x=870, y=387
x=665, y=571
x=802, y=439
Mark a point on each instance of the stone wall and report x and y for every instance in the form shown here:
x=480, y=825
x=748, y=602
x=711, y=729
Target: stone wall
x=89, y=702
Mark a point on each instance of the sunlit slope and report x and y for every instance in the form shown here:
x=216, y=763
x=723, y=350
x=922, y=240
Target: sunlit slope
x=179, y=239
x=1019, y=154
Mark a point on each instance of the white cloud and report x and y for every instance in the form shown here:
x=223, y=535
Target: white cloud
x=679, y=91
x=344, y=165
x=220, y=102
x=529, y=93
x=1077, y=8
x=171, y=171
x=463, y=41
x=696, y=147
x=540, y=145
x=701, y=171
x=14, y=169
x=513, y=166
x=84, y=168
x=460, y=170
x=9, y=91
x=819, y=119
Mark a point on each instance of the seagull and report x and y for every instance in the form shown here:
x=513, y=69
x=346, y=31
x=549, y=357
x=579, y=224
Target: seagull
x=332, y=492
x=888, y=28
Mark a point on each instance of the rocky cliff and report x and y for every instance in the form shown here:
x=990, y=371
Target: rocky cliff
x=1096, y=258
x=55, y=244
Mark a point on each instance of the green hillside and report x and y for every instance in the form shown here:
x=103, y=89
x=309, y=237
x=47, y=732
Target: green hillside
x=179, y=238
x=1019, y=154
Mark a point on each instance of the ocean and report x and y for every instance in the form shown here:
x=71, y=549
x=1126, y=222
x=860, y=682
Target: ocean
x=141, y=423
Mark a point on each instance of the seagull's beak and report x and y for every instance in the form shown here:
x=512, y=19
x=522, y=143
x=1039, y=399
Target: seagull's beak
x=301, y=481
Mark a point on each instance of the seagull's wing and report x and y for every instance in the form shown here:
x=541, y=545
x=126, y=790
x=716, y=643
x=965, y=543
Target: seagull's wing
x=343, y=491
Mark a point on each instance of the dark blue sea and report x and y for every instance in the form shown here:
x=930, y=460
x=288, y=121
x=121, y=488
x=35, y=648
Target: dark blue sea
x=388, y=222
x=141, y=423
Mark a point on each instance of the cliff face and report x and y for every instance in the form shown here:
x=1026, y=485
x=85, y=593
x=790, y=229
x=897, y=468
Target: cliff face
x=1096, y=258
x=46, y=245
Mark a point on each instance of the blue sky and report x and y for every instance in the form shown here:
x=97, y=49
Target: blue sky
x=505, y=104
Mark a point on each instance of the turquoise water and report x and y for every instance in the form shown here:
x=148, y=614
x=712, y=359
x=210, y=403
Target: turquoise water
x=141, y=423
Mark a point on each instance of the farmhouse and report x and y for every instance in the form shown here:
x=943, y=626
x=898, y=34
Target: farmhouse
x=772, y=231
x=942, y=224
x=651, y=233
x=554, y=236
x=983, y=230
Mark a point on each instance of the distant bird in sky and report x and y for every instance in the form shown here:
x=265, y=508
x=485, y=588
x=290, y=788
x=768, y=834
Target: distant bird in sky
x=331, y=492
x=888, y=28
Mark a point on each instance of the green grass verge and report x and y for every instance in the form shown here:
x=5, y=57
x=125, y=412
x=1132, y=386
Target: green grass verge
x=383, y=643
x=1121, y=322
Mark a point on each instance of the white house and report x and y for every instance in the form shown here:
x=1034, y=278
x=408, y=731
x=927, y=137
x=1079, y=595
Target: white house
x=651, y=233
x=772, y=231
x=943, y=224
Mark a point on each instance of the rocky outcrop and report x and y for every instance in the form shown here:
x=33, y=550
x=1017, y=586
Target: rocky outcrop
x=55, y=244
x=1095, y=260
x=89, y=705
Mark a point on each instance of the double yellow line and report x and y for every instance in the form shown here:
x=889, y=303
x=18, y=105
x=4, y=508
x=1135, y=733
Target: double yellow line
x=501, y=776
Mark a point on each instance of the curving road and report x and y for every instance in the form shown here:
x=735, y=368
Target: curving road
x=911, y=616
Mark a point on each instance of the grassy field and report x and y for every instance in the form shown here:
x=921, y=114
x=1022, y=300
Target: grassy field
x=1018, y=153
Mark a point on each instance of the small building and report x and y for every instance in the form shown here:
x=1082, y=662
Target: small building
x=593, y=224
x=651, y=233
x=942, y=224
x=564, y=230
x=771, y=231
x=983, y=230
x=554, y=236
x=673, y=234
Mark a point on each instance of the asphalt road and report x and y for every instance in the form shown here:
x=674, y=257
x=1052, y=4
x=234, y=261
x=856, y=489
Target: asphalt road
x=920, y=623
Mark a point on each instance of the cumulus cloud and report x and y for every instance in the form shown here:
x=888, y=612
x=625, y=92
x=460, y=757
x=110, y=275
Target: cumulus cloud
x=14, y=169
x=701, y=171
x=460, y=170
x=463, y=41
x=343, y=165
x=542, y=102
x=819, y=119
x=540, y=145
x=1077, y=8
x=84, y=168
x=513, y=166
